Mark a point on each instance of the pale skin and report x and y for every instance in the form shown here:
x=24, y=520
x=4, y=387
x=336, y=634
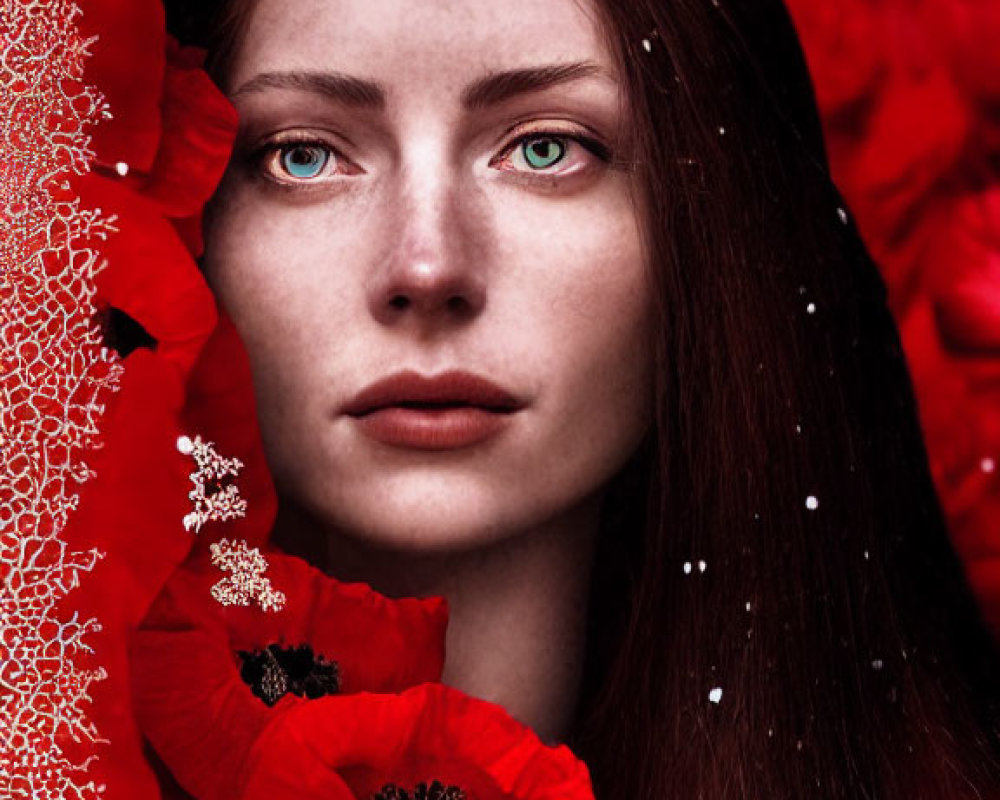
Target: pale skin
x=409, y=224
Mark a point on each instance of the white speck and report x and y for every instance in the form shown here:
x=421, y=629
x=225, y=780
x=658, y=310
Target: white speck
x=843, y=215
x=756, y=515
x=770, y=733
x=798, y=429
x=867, y=556
x=812, y=503
x=121, y=168
x=749, y=606
x=715, y=695
x=647, y=45
x=687, y=568
x=185, y=445
x=702, y=566
x=877, y=664
x=988, y=465
x=811, y=308
x=802, y=290
x=798, y=745
x=722, y=131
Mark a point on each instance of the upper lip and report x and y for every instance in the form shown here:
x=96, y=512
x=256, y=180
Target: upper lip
x=455, y=387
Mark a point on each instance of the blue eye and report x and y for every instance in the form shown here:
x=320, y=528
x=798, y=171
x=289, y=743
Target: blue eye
x=304, y=160
x=542, y=152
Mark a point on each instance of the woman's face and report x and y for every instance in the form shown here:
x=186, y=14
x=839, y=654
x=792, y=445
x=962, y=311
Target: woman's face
x=423, y=188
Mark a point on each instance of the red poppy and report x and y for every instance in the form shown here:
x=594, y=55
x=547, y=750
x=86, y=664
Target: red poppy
x=359, y=746
x=130, y=513
x=220, y=407
x=158, y=158
x=192, y=703
x=158, y=161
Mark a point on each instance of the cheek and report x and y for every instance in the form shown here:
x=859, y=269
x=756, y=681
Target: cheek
x=286, y=289
x=587, y=311
x=264, y=281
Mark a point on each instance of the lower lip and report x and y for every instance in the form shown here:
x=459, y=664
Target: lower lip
x=433, y=428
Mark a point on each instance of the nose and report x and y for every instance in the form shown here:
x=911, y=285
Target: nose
x=433, y=272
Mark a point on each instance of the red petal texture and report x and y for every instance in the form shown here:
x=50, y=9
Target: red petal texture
x=910, y=95
x=132, y=512
x=153, y=277
x=969, y=31
x=844, y=49
x=199, y=124
x=220, y=407
x=191, y=702
x=429, y=732
x=127, y=66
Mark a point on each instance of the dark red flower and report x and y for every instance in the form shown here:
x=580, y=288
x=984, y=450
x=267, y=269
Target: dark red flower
x=357, y=746
x=202, y=717
x=843, y=48
x=968, y=32
x=962, y=266
x=955, y=358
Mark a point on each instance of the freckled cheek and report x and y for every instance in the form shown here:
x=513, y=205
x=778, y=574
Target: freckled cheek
x=585, y=270
x=610, y=334
x=289, y=283
x=583, y=281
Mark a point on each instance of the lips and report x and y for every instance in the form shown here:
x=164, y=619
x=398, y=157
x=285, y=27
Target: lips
x=442, y=412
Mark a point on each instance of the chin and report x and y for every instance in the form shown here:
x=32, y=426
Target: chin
x=433, y=525
x=425, y=519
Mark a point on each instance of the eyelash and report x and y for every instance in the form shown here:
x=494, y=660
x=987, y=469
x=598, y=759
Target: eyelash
x=264, y=158
x=566, y=141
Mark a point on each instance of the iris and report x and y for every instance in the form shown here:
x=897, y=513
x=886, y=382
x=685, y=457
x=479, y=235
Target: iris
x=304, y=161
x=544, y=152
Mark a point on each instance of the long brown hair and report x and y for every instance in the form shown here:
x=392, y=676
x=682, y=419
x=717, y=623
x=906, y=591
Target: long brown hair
x=778, y=611
x=798, y=624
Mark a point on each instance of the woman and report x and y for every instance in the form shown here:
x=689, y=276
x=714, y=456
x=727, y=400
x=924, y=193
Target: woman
x=620, y=215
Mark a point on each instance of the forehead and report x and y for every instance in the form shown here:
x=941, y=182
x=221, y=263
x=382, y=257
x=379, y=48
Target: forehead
x=406, y=42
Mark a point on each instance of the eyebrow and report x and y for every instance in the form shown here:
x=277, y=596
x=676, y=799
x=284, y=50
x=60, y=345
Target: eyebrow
x=497, y=87
x=492, y=89
x=337, y=86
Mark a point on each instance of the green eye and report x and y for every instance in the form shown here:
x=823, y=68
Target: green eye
x=543, y=152
x=304, y=160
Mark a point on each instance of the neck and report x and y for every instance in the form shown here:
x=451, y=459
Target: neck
x=518, y=608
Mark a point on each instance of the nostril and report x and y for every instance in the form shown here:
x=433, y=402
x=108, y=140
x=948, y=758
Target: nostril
x=457, y=303
x=399, y=301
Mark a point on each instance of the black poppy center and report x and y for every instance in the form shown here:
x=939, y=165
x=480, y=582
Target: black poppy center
x=274, y=671
x=422, y=791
